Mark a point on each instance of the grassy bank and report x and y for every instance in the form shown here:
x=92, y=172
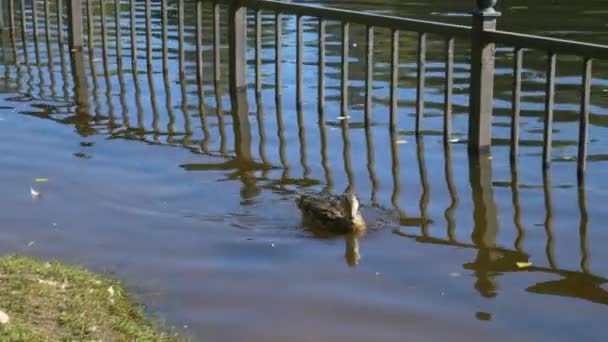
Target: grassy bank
x=51, y=301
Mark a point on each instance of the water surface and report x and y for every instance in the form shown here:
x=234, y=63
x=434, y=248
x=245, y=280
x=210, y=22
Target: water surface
x=147, y=185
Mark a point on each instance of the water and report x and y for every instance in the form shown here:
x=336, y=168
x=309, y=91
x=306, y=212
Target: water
x=212, y=242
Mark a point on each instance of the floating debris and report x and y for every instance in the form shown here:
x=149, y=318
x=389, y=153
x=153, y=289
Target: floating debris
x=35, y=194
x=31, y=243
x=453, y=140
x=523, y=264
x=454, y=274
x=343, y=117
x=41, y=180
x=401, y=141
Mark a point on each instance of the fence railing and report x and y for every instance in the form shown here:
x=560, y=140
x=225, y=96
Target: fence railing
x=482, y=36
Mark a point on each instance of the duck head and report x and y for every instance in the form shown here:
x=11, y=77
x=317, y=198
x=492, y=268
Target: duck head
x=350, y=205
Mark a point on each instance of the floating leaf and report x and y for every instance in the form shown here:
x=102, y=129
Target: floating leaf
x=41, y=180
x=523, y=264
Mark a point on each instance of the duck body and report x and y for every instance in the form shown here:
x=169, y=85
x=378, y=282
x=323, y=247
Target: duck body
x=339, y=214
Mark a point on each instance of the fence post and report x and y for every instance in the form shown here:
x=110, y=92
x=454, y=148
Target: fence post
x=482, y=77
x=237, y=45
x=6, y=28
x=237, y=41
x=75, y=24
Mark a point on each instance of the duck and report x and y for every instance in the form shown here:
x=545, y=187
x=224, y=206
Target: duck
x=337, y=214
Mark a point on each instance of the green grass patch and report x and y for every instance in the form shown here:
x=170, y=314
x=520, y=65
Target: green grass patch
x=51, y=301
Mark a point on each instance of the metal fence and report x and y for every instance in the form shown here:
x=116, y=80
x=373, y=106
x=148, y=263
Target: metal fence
x=482, y=35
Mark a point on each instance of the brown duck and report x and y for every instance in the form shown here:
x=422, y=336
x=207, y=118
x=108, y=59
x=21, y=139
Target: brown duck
x=339, y=214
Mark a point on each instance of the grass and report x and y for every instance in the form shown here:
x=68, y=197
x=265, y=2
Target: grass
x=51, y=301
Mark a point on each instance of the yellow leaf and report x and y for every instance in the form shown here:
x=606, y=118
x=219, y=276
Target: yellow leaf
x=523, y=264
x=41, y=180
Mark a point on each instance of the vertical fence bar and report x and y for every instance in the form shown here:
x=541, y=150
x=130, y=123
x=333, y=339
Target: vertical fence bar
x=321, y=71
x=482, y=79
x=180, y=38
x=199, y=75
x=369, y=74
x=278, y=41
x=421, y=80
x=148, y=15
x=49, y=53
x=11, y=29
x=299, y=61
x=133, y=24
x=549, y=102
x=199, y=44
x=584, y=120
x=47, y=22
x=24, y=41
x=11, y=23
x=258, y=51
x=35, y=24
x=216, y=43
x=104, y=30
x=60, y=33
x=344, y=65
x=516, y=102
x=448, y=90
x=104, y=57
x=394, y=80
x=164, y=36
x=118, y=34
x=90, y=27
x=35, y=19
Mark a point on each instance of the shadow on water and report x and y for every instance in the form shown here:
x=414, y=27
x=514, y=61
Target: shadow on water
x=235, y=154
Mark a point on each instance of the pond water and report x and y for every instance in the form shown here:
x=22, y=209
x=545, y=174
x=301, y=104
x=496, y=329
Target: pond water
x=141, y=188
